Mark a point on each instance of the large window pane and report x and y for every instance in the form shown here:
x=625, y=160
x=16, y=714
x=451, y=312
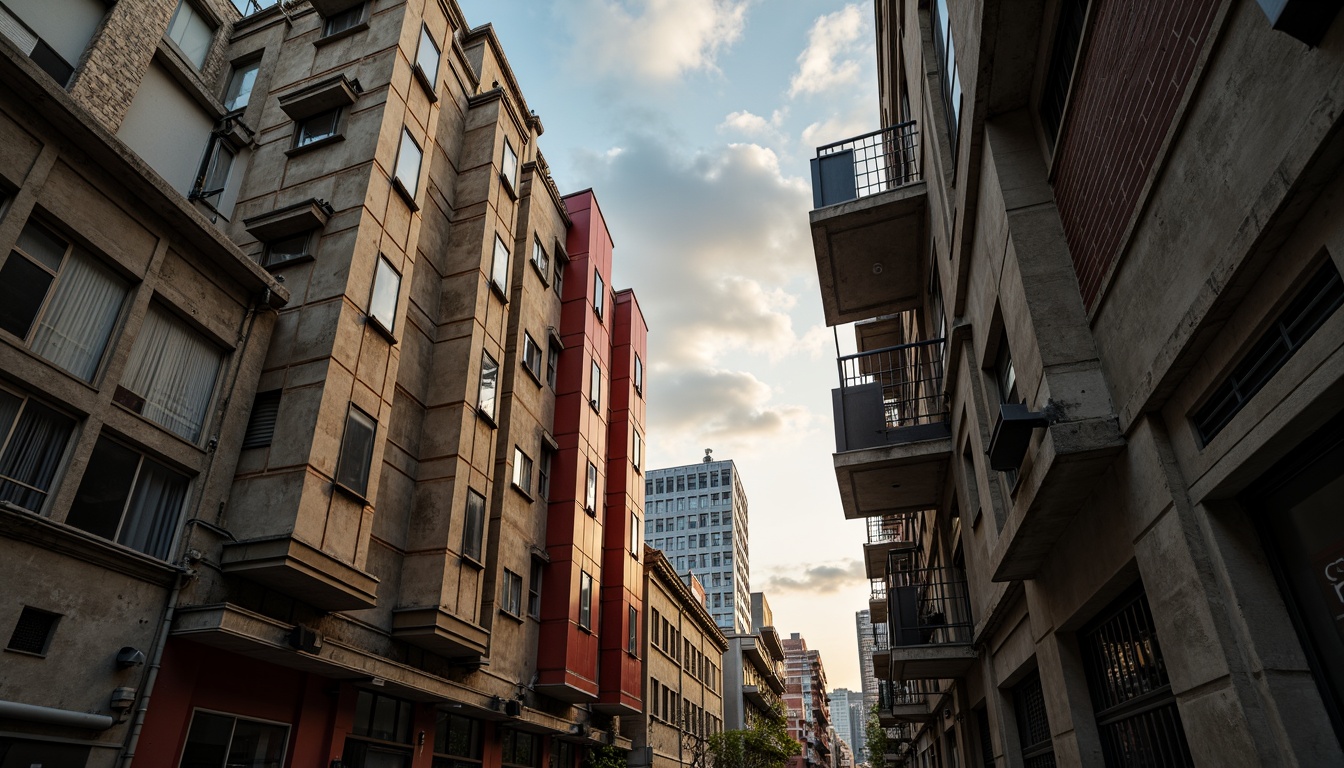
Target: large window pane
x=585, y=600
x=356, y=451
x=427, y=56
x=170, y=376
x=509, y=165
x=192, y=32
x=499, y=266
x=386, y=290
x=240, y=86
x=473, y=525
x=130, y=499
x=32, y=442
x=485, y=398
x=408, y=163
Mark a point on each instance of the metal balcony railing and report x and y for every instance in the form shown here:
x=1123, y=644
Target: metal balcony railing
x=929, y=606
x=878, y=589
x=904, y=693
x=864, y=165
x=891, y=395
x=899, y=528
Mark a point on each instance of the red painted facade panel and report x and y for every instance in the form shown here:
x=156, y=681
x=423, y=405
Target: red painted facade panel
x=1135, y=67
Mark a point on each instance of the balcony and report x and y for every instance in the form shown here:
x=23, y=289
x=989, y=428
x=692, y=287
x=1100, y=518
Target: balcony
x=930, y=624
x=887, y=535
x=905, y=701
x=868, y=226
x=877, y=600
x=892, y=440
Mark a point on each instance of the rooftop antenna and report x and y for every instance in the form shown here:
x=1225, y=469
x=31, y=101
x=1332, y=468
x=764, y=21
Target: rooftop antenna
x=708, y=457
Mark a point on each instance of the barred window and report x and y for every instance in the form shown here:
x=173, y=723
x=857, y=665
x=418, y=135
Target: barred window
x=1033, y=727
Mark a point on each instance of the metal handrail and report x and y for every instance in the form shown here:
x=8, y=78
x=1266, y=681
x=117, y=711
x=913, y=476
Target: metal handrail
x=910, y=377
x=878, y=589
x=885, y=159
x=901, y=527
x=929, y=606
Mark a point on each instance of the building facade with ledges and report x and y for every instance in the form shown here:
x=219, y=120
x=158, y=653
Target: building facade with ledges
x=320, y=424
x=1095, y=420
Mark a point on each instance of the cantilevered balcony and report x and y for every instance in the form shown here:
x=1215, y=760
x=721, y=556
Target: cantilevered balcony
x=930, y=624
x=868, y=229
x=905, y=701
x=891, y=432
x=888, y=534
x=877, y=600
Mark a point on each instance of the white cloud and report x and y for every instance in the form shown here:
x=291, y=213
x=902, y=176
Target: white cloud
x=755, y=126
x=821, y=579
x=722, y=406
x=656, y=40
x=829, y=62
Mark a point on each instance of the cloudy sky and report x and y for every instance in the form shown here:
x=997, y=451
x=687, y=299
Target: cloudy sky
x=693, y=121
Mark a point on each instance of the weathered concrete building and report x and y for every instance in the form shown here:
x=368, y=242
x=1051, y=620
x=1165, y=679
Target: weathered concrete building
x=1097, y=411
x=682, y=648
x=317, y=413
x=753, y=670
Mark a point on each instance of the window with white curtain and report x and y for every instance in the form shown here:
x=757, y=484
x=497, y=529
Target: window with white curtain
x=170, y=376
x=60, y=300
x=32, y=441
x=129, y=498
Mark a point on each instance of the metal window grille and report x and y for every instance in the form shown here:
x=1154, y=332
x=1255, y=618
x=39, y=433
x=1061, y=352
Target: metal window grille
x=1308, y=311
x=33, y=631
x=261, y=424
x=1033, y=727
x=1131, y=693
x=929, y=606
x=898, y=528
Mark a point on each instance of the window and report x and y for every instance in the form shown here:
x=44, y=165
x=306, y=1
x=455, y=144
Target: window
x=214, y=175
x=32, y=442
x=540, y=260
x=531, y=356
x=192, y=32
x=637, y=451
x=632, y=640
x=703, y=483
x=681, y=484
x=386, y=720
x=485, y=395
x=544, y=473
x=558, y=284
x=473, y=525
x=456, y=736
x=1033, y=728
x=635, y=538
x=286, y=249
x=170, y=376
x=261, y=422
x=511, y=596
x=345, y=21
x=41, y=51
x=522, y=471
x=585, y=600
x=1063, y=55
x=521, y=750
x=690, y=482
x=427, y=58
x=552, y=362
x=1314, y=303
x=499, y=268
x=129, y=498
x=725, y=476
x=218, y=740
x=534, y=590
x=239, y=91
x=714, y=479
x=323, y=125
x=1135, y=708
x=508, y=166
x=590, y=493
x=595, y=386
x=639, y=375
x=60, y=300
x=599, y=293
x=658, y=485
x=409, y=156
x=947, y=55
x=386, y=292
x=33, y=631
x=352, y=471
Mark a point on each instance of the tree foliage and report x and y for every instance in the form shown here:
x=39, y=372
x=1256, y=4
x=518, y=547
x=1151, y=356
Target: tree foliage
x=766, y=744
x=606, y=756
x=875, y=736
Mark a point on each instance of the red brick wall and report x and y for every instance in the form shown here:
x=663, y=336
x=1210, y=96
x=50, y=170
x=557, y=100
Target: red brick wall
x=1136, y=64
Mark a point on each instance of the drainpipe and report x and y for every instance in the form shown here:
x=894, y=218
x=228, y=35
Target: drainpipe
x=165, y=626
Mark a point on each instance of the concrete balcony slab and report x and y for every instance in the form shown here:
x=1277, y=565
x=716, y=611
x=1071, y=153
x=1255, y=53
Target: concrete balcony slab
x=888, y=479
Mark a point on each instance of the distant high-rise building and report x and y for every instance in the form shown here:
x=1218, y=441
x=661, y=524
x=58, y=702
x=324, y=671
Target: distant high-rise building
x=753, y=670
x=809, y=712
x=863, y=626
x=847, y=718
x=697, y=515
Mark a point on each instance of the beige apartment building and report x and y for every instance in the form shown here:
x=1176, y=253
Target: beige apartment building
x=310, y=413
x=683, y=651
x=1096, y=416
x=753, y=669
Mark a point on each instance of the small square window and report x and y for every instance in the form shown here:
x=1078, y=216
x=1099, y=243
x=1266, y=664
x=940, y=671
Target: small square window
x=409, y=157
x=323, y=125
x=386, y=293
x=509, y=165
x=239, y=91
x=522, y=471
x=590, y=490
x=599, y=293
x=345, y=20
x=427, y=57
x=499, y=268
x=485, y=395
x=287, y=249
x=531, y=355
x=192, y=32
x=33, y=631
x=352, y=471
x=473, y=525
